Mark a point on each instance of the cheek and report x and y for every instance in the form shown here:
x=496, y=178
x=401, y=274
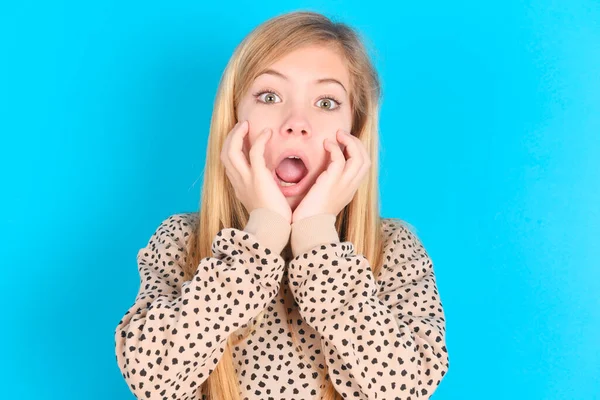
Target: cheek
x=251, y=138
x=332, y=125
x=257, y=122
x=332, y=136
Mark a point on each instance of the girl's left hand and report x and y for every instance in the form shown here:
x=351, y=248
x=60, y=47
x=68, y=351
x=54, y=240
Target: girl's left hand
x=335, y=187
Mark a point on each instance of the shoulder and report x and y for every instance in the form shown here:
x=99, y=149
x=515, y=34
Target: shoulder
x=176, y=228
x=401, y=239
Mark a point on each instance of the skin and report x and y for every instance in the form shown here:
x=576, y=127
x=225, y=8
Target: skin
x=293, y=110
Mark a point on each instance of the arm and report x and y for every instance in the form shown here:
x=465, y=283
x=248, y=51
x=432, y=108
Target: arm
x=175, y=333
x=386, y=336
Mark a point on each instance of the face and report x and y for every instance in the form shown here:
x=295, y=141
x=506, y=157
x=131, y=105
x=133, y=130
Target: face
x=304, y=99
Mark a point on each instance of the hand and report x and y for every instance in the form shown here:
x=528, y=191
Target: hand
x=335, y=187
x=252, y=181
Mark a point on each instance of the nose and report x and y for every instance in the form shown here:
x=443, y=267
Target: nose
x=302, y=131
x=296, y=124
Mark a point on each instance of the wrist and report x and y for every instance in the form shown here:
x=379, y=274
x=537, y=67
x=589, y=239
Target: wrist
x=270, y=228
x=309, y=232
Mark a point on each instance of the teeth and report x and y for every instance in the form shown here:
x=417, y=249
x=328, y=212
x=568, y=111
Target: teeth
x=282, y=183
x=294, y=157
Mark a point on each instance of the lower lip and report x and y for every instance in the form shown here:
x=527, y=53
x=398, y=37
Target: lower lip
x=289, y=191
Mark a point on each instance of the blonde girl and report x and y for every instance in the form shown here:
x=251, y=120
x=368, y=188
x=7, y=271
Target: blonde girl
x=287, y=283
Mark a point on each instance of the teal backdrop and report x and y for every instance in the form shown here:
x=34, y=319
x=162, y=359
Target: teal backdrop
x=490, y=136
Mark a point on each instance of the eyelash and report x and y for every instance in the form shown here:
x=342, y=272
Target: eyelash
x=327, y=96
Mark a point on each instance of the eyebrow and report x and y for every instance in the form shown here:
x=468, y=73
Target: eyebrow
x=322, y=80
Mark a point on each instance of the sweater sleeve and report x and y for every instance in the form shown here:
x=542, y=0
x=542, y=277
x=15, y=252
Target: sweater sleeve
x=175, y=333
x=384, y=338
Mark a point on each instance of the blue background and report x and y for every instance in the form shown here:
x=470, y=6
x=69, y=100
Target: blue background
x=490, y=132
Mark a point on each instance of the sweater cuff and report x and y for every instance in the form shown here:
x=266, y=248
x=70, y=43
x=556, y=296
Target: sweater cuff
x=313, y=231
x=270, y=228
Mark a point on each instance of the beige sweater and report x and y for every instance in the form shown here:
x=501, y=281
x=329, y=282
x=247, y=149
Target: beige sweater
x=380, y=338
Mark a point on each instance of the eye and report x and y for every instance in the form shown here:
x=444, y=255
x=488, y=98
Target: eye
x=267, y=95
x=328, y=101
x=270, y=94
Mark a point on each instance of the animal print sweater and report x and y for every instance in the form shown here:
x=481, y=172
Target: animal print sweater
x=373, y=337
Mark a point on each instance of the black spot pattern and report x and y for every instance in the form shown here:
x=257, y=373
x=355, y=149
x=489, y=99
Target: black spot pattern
x=380, y=339
x=384, y=338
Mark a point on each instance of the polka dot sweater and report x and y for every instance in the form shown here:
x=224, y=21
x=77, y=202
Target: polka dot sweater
x=380, y=338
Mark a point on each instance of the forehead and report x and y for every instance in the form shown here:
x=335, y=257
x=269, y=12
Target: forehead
x=310, y=63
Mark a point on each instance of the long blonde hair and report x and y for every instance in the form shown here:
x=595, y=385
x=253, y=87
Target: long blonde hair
x=358, y=223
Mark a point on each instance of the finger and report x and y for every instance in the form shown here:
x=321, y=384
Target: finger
x=225, y=146
x=364, y=151
x=233, y=177
x=224, y=156
x=257, y=152
x=336, y=166
x=246, y=146
x=365, y=161
x=235, y=151
x=228, y=156
x=355, y=156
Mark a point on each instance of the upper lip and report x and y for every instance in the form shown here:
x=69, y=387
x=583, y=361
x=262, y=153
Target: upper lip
x=292, y=152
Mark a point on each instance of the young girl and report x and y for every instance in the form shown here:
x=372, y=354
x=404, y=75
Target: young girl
x=287, y=284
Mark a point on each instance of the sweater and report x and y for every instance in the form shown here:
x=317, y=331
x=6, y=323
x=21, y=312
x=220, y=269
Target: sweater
x=380, y=338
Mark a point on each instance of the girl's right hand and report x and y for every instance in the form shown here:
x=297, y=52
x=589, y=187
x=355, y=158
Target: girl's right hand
x=252, y=181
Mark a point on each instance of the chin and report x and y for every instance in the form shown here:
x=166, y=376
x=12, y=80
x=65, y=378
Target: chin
x=293, y=202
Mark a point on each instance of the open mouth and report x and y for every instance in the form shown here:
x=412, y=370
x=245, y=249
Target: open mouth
x=291, y=175
x=291, y=170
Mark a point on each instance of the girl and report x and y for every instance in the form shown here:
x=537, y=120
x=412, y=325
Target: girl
x=287, y=284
